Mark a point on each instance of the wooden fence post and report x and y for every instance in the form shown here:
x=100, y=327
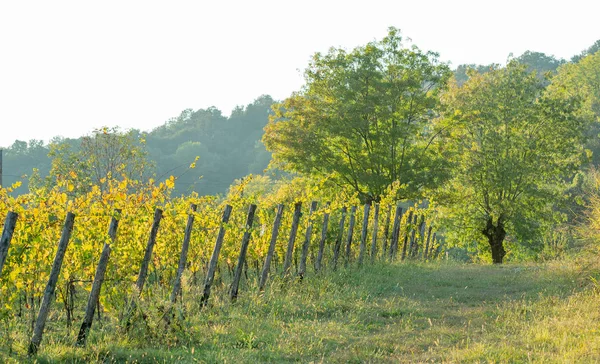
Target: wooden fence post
x=233, y=293
x=98, y=280
x=139, y=284
x=214, y=260
x=414, y=242
x=414, y=228
x=438, y=249
x=427, y=243
x=184, y=253
x=7, y=233
x=130, y=304
x=319, y=261
x=408, y=222
x=305, y=246
x=434, y=241
x=386, y=232
x=421, y=243
x=290, y=248
x=274, y=234
x=350, y=233
x=338, y=241
x=363, y=234
x=40, y=323
x=395, y=232
x=374, y=237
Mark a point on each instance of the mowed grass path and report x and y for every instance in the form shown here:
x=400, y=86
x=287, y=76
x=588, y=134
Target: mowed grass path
x=384, y=313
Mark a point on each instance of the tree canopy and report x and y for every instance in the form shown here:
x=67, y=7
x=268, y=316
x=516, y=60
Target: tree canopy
x=513, y=144
x=106, y=153
x=594, y=48
x=582, y=80
x=363, y=118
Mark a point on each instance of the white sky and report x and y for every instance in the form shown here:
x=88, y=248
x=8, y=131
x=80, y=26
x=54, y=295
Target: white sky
x=67, y=67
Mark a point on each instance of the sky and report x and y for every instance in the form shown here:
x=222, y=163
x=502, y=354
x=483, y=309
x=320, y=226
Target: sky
x=68, y=67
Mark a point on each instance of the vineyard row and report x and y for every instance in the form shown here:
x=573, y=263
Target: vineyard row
x=416, y=241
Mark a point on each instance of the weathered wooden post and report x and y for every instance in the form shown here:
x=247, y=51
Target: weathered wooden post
x=395, y=232
x=214, y=260
x=7, y=234
x=408, y=222
x=274, y=233
x=427, y=243
x=139, y=284
x=438, y=248
x=318, y=263
x=421, y=242
x=363, y=234
x=40, y=323
x=338, y=241
x=305, y=246
x=98, y=280
x=233, y=293
x=411, y=241
x=374, y=235
x=434, y=243
x=184, y=253
x=290, y=248
x=386, y=232
x=350, y=233
x=411, y=250
x=414, y=242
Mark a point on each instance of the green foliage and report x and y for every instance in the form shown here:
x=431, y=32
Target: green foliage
x=582, y=80
x=594, y=48
x=21, y=159
x=26, y=271
x=364, y=119
x=170, y=149
x=229, y=147
x=539, y=62
x=512, y=144
x=535, y=61
x=105, y=154
x=589, y=224
x=461, y=73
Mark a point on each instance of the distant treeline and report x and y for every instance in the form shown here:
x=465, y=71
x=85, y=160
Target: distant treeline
x=228, y=147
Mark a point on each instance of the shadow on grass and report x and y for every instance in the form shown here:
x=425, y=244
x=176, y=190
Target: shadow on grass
x=398, y=312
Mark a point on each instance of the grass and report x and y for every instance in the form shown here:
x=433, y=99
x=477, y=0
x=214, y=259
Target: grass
x=439, y=312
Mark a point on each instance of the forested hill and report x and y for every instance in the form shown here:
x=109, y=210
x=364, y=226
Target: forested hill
x=228, y=147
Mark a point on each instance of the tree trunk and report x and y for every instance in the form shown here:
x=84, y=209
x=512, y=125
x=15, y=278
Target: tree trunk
x=496, y=234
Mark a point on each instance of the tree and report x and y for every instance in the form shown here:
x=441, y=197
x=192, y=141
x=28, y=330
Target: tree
x=106, y=153
x=594, y=48
x=25, y=160
x=539, y=62
x=582, y=80
x=363, y=117
x=514, y=144
x=461, y=73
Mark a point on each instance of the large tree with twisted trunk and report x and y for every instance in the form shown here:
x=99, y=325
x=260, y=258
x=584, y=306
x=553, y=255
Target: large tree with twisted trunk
x=514, y=143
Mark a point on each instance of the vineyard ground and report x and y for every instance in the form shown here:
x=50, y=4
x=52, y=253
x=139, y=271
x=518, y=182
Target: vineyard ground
x=415, y=312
